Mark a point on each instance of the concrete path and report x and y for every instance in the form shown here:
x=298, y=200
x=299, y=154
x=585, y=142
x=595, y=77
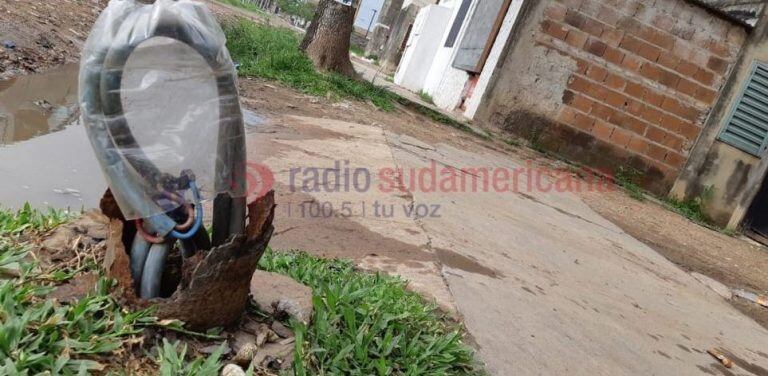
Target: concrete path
x=544, y=284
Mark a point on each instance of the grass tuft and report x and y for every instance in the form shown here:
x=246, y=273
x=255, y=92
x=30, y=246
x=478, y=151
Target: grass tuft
x=273, y=53
x=426, y=97
x=368, y=324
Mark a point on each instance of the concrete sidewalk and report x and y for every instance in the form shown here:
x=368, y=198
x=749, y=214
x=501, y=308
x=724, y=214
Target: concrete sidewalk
x=544, y=284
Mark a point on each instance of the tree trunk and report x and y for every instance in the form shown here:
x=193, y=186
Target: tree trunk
x=327, y=39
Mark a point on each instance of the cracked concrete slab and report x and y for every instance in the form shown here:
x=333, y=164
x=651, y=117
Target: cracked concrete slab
x=543, y=283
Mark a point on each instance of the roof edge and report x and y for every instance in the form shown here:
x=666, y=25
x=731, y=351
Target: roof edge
x=722, y=14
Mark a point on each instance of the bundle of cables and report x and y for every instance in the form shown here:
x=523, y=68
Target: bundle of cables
x=166, y=208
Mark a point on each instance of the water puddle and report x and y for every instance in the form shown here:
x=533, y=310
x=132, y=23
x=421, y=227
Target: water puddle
x=45, y=156
x=35, y=105
x=467, y=264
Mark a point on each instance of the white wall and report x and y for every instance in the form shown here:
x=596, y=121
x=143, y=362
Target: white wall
x=473, y=103
x=428, y=31
x=366, y=13
x=444, y=82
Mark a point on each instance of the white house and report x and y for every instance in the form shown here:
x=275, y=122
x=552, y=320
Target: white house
x=456, y=54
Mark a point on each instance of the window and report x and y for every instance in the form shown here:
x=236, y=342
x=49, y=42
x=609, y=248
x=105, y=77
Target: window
x=454, y=33
x=747, y=126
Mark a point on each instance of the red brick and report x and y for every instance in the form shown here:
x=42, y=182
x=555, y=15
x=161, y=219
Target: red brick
x=671, y=123
x=554, y=29
x=717, y=65
x=653, y=98
x=655, y=134
x=582, y=66
x=675, y=160
x=583, y=122
x=596, y=47
x=687, y=87
x=637, y=144
x=719, y=48
x=650, y=71
x=576, y=38
x=621, y=137
x=689, y=130
x=707, y=78
x=612, y=37
x=635, y=107
x=578, y=84
x=673, y=142
x=575, y=19
x=597, y=73
x=634, y=90
x=614, y=81
x=597, y=91
x=581, y=103
x=567, y=115
x=669, y=79
x=652, y=115
x=656, y=152
x=668, y=60
x=602, y=130
x=636, y=125
x=680, y=109
x=683, y=30
x=640, y=48
x=555, y=12
x=593, y=27
x=601, y=111
x=657, y=37
x=614, y=55
x=686, y=68
x=617, y=100
x=632, y=63
x=706, y=95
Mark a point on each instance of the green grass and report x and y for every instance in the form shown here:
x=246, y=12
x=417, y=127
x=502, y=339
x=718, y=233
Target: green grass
x=426, y=97
x=38, y=335
x=626, y=177
x=357, y=50
x=368, y=324
x=173, y=360
x=365, y=324
x=273, y=53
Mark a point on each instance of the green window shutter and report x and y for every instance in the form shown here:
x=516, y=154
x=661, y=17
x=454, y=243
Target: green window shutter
x=747, y=126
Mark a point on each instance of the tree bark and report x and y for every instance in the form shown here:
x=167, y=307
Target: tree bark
x=327, y=40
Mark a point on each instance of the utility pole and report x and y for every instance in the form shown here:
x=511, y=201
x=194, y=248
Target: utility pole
x=371, y=23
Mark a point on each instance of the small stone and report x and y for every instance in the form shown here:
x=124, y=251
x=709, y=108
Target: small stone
x=245, y=355
x=278, y=295
x=281, y=330
x=232, y=370
x=273, y=354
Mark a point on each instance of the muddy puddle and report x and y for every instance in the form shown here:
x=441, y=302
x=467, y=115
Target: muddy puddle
x=35, y=105
x=45, y=156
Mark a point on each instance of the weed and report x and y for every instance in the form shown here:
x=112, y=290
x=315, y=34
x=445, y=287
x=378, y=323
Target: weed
x=426, y=97
x=273, y=53
x=357, y=50
x=691, y=209
x=368, y=324
x=26, y=219
x=172, y=361
x=627, y=178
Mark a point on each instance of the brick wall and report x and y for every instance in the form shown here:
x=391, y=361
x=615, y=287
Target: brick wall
x=646, y=73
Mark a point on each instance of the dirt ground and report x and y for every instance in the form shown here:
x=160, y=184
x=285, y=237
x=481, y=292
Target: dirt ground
x=49, y=33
